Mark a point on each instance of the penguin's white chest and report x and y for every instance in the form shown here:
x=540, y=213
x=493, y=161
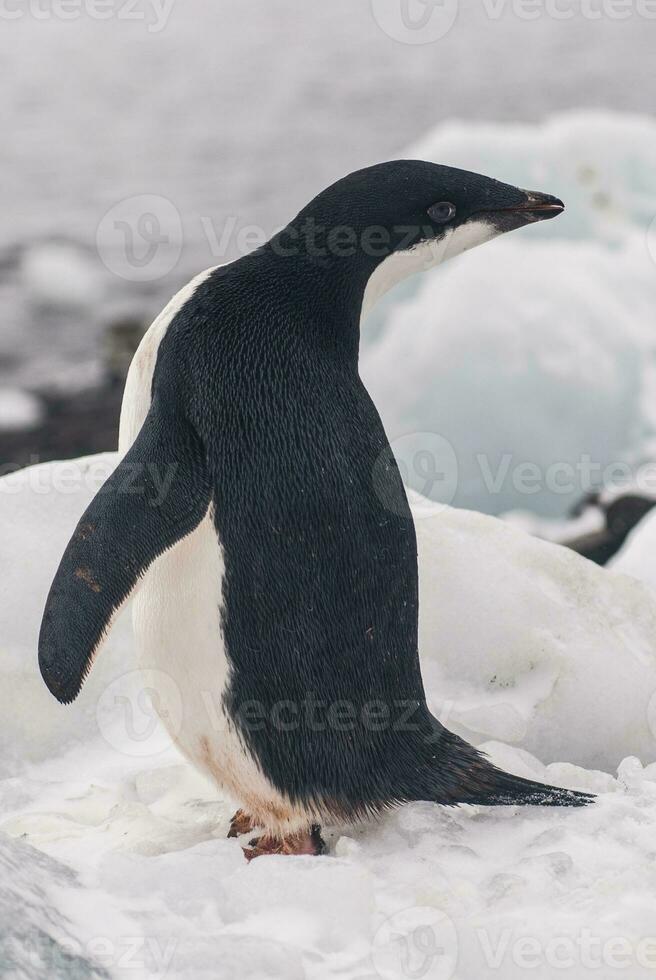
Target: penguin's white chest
x=177, y=625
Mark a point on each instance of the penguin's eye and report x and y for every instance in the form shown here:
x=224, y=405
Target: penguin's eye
x=442, y=212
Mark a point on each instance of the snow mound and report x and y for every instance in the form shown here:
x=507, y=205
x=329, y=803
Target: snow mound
x=534, y=354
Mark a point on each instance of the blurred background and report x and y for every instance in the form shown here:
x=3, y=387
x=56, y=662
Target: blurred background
x=145, y=141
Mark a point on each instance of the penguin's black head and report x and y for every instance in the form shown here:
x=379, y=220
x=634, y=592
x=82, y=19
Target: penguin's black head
x=623, y=514
x=391, y=220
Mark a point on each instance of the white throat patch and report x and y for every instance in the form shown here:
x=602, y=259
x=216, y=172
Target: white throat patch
x=427, y=255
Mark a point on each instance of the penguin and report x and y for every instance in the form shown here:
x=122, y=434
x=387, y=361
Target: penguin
x=619, y=515
x=260, y=522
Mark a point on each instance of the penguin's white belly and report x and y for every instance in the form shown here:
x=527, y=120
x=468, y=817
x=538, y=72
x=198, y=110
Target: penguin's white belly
x=176, y=616
x=177, y=625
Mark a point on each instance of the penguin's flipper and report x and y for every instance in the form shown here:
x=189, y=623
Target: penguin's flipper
x=157, y=495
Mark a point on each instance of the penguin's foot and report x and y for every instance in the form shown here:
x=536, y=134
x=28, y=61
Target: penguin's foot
x=241, y=823
x=307, y=842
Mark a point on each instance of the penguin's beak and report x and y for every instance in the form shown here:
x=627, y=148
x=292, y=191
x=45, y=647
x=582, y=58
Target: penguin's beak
x=526, y=208
x=534, y=207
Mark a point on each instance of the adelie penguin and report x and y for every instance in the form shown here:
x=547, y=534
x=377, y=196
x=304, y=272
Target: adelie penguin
x=275, y=581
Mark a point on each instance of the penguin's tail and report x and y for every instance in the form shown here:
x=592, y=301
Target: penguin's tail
x=505, y=789
x=459, y=773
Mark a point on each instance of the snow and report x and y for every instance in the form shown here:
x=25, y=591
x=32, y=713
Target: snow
x=60, y=275
x=41, y=506
x=532, y=358
x=35, y=937
x=591, y=520
x=577, y=654
x=19, y=409
x=636, y=557
x=117, y=858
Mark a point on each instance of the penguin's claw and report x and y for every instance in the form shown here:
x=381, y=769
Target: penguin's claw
x=241, y=823
x=309, y=842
